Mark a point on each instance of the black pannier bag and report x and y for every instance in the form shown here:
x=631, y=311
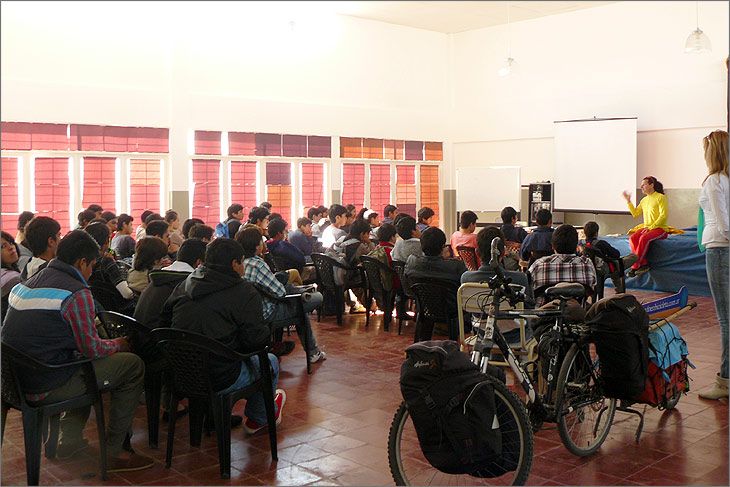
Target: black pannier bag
x=619, y=326
x=451, y=404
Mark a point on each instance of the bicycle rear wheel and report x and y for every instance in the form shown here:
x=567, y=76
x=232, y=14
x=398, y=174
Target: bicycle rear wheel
x=409, y=466
x=584, y=415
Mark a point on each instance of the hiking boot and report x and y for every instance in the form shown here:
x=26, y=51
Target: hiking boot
x=317, y=356
x=132, y=463
x=70, y=450
x=718, y=390
x=251, y=427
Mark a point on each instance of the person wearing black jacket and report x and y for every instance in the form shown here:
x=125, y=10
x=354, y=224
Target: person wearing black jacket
x=215, y=301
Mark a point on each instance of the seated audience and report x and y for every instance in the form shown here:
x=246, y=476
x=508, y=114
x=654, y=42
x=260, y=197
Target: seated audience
x=85, y=218
x=160, y=229
x=173, y=221
x=188, y=224
x=432, y=265
x=350, y=218
x=23, y=220
x=24, y=252
x=140, y=233
x=389, y=213
x=62, y=336
x=302, y=238
x=260, y=217
x=511, y=232
x=563, y=266
x=266, y=205
x=410, y=242
x=387, y=239
x=257, y=272
x=425, y=217
x=357, y=242
x=334, y=232
x=236, y=323
x=314, y=214
x=289, y=255
x=149, y=254
x=539, y=241
x=111, y=221
x=97, y=209
x=602, y=248
x=373, y=220
x=42, y=234
x=107, y=273
x=9, y=273
x=201, y=232
x=465, y=235
x=234, y=220
x=123, y=243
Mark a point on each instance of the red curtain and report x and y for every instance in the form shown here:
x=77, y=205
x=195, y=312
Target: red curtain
x=393, y=150
x=144, y=186
x=206, y=190
x=405, y=190
x=434, y=151
x=379, y=187
x=353, y=184
x=9, y=187
x=243, y=184
x=430, y=190
x=312, y=185
x=268, y=144
x=207, y=143
x=156, y=140
x=319, y=146
x=99, y=182
x=278, y=188
x=52, y=195
x=414, y=150
x=15, y=135
x=295, y=145
x=241, y=144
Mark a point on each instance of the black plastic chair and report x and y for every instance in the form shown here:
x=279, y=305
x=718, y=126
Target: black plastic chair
x=16, y=363
x=605, y=268
x=405, y=292
x=298, y=321
x=189, y=355
x=435, y=303
x=376, y=273
x=271, y=262
x=469, y=256
x=119, y=325
x=326, y=280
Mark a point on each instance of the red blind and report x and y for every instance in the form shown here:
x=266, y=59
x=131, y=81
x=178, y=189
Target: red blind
x=434, y=151
x=278, y=188
x=414, y=151
x=99, y=182
x=153, y=140
x=268, y=144
x=52, y=196
x=207, y=143
x=144, y=186
x=372, y=148
x=351, y=147
x=87, y=137
x=15, y=135
x=393, y=149
x=353, y=184
x=312, y=184
x=117, y=139
x=38, y=136
x=278, y=173
x=295, y=145
x=241, y=144
x=379, y=187
x=430, y=190
x=319, y=146
x=243, y=184
x=206, y=190
x=9, y=187
x=405, y=190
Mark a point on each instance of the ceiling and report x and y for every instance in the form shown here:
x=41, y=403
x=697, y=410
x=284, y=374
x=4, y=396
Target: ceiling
x=452, y=17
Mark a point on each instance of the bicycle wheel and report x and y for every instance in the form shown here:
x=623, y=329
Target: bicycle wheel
x=584, y=415
x=409, y=466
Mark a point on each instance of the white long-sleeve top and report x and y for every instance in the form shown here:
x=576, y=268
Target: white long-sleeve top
x=714, y=199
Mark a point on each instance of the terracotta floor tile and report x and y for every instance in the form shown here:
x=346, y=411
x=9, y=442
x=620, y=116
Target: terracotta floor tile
x=337, y=443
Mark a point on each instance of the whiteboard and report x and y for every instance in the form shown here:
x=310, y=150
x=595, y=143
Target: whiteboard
x=595, y=161
x=487, y=188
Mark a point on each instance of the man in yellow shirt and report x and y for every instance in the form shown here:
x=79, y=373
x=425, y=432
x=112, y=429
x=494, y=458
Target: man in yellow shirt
x=653, y=207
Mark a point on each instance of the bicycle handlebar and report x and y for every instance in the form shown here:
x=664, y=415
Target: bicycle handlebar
x=500, y=280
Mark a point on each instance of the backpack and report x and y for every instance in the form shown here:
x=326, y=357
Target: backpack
x=619, y=326
x=221, y=230
x=380, y=254
x=337, y=252
x=667, y=372
x=452, y=406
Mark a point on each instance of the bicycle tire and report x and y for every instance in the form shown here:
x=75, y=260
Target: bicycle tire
x=576, y=363
x=506, y=402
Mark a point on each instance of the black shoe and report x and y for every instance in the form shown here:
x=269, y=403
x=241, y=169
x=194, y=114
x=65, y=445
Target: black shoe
x=283, y=348
x=180, y=413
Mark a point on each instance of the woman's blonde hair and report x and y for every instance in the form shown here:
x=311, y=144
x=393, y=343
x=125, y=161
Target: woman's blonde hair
x=715, y=145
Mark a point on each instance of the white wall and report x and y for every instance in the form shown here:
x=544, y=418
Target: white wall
x=619, y=60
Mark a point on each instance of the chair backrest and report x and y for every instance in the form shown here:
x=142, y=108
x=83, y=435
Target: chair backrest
x=400, y=268
x=11, y=392
x=189, y=357
x=436, y=299
x=119, y=325
x=280, y=263
x=124, y=268
x=269, y=259
x=511, y=246
x=469, y=256
x=537, y=254
x=107, y=295
x=325, y=270
x=374, y=271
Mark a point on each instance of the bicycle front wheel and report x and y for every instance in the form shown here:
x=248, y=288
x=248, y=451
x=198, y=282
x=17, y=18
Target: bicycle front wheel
x=584, y=415
x=409, y=466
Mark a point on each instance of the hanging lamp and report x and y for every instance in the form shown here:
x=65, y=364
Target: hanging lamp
x=509, y=65
x=697, y=42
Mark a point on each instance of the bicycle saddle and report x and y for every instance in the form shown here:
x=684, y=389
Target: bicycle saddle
x=565, y=291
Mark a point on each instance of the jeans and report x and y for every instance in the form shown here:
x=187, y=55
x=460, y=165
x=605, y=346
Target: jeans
x=717, y=274
x=289, y=309
x=255, y=408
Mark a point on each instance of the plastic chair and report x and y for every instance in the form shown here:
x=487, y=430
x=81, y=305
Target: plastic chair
x=435, y=303
x=16, y=363
x=404, y=293
x=374, y=272
x=299, y=321
x=189, y=355
x=615, y=268
x=271, y=262
x=119, y=325
x=469, y=256
x=326, y=280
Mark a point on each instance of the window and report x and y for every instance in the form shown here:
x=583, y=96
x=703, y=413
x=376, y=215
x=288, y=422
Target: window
x=206, y=190
x=243, y=184
x=207, y=143
x=405, y=190
x=10, y=197
x=430, y=190
x=312, y=185
x=52, y=195
x=144, y=186
x=353, y=184
x=278, y=188
x=379, y=187
x=99, y=182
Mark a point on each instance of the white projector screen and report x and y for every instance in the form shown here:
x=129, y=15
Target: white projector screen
x=487, y=188
x=595, y=161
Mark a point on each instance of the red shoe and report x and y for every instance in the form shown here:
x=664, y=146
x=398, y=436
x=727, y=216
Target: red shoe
x=251, y=427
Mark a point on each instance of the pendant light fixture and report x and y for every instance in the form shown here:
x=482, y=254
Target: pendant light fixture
x=509, y=65
x=697, y=42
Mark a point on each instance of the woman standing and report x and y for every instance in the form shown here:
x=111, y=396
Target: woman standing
x=714, y=204
x=653, y=207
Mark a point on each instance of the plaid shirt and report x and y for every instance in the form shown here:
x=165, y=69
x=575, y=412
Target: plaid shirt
x=557, y=268
x=256, y=271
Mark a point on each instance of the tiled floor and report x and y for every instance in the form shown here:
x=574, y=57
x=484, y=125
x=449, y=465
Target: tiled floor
x=336, y=422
